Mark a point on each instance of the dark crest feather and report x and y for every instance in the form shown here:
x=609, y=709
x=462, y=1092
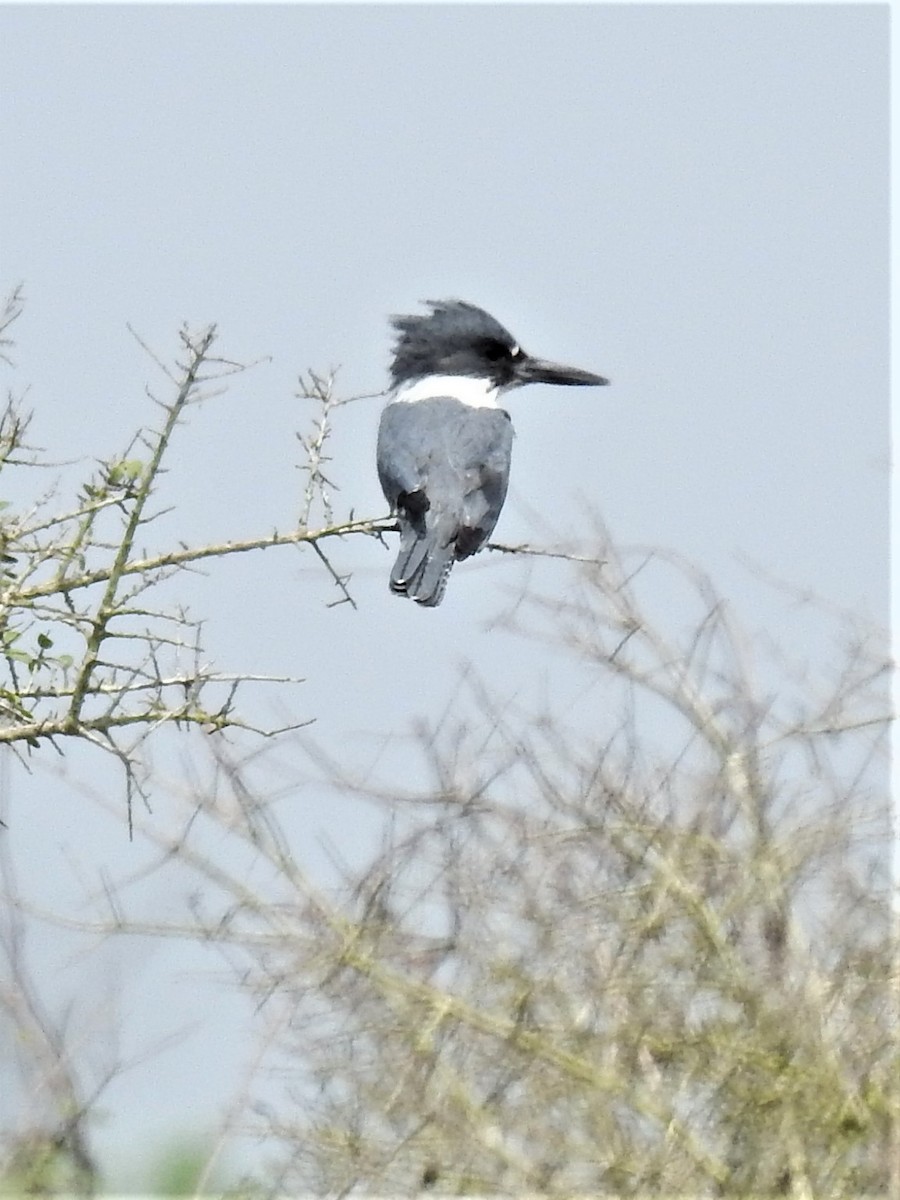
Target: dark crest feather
x=444, y=335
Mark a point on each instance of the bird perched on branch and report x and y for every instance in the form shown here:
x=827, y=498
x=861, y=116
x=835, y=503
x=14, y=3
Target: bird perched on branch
x=444, y=442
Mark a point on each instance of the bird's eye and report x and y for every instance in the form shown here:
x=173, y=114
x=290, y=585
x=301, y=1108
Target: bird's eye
x=494, y=350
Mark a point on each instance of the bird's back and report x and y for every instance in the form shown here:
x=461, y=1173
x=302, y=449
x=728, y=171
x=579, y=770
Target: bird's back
x=444, y=468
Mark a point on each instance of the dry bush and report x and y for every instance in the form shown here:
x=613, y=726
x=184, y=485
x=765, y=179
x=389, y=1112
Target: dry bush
x=642, y=948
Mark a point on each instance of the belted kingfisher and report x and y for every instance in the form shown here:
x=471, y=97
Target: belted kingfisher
x=444, y=443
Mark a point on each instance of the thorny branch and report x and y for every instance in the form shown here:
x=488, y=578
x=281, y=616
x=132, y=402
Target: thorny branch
x=82, y=654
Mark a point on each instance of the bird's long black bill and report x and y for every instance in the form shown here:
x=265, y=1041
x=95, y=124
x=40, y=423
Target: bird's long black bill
x=539, y=370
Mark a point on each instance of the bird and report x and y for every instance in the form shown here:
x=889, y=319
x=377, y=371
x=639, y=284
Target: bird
x=444, y=442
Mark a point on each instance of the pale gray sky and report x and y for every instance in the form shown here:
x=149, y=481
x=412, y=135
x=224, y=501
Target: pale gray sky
x=690, y=200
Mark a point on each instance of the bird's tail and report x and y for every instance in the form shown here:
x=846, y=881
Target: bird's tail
x=426, y=557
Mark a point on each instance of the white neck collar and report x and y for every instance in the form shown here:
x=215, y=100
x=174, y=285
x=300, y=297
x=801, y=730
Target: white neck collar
x=476, y=393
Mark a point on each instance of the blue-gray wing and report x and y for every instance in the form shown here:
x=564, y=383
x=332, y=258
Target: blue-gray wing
x=485, y=454
x=444, y=469
x=454, y=455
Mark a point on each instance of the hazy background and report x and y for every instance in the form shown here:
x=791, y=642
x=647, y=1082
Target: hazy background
x=690, y=200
